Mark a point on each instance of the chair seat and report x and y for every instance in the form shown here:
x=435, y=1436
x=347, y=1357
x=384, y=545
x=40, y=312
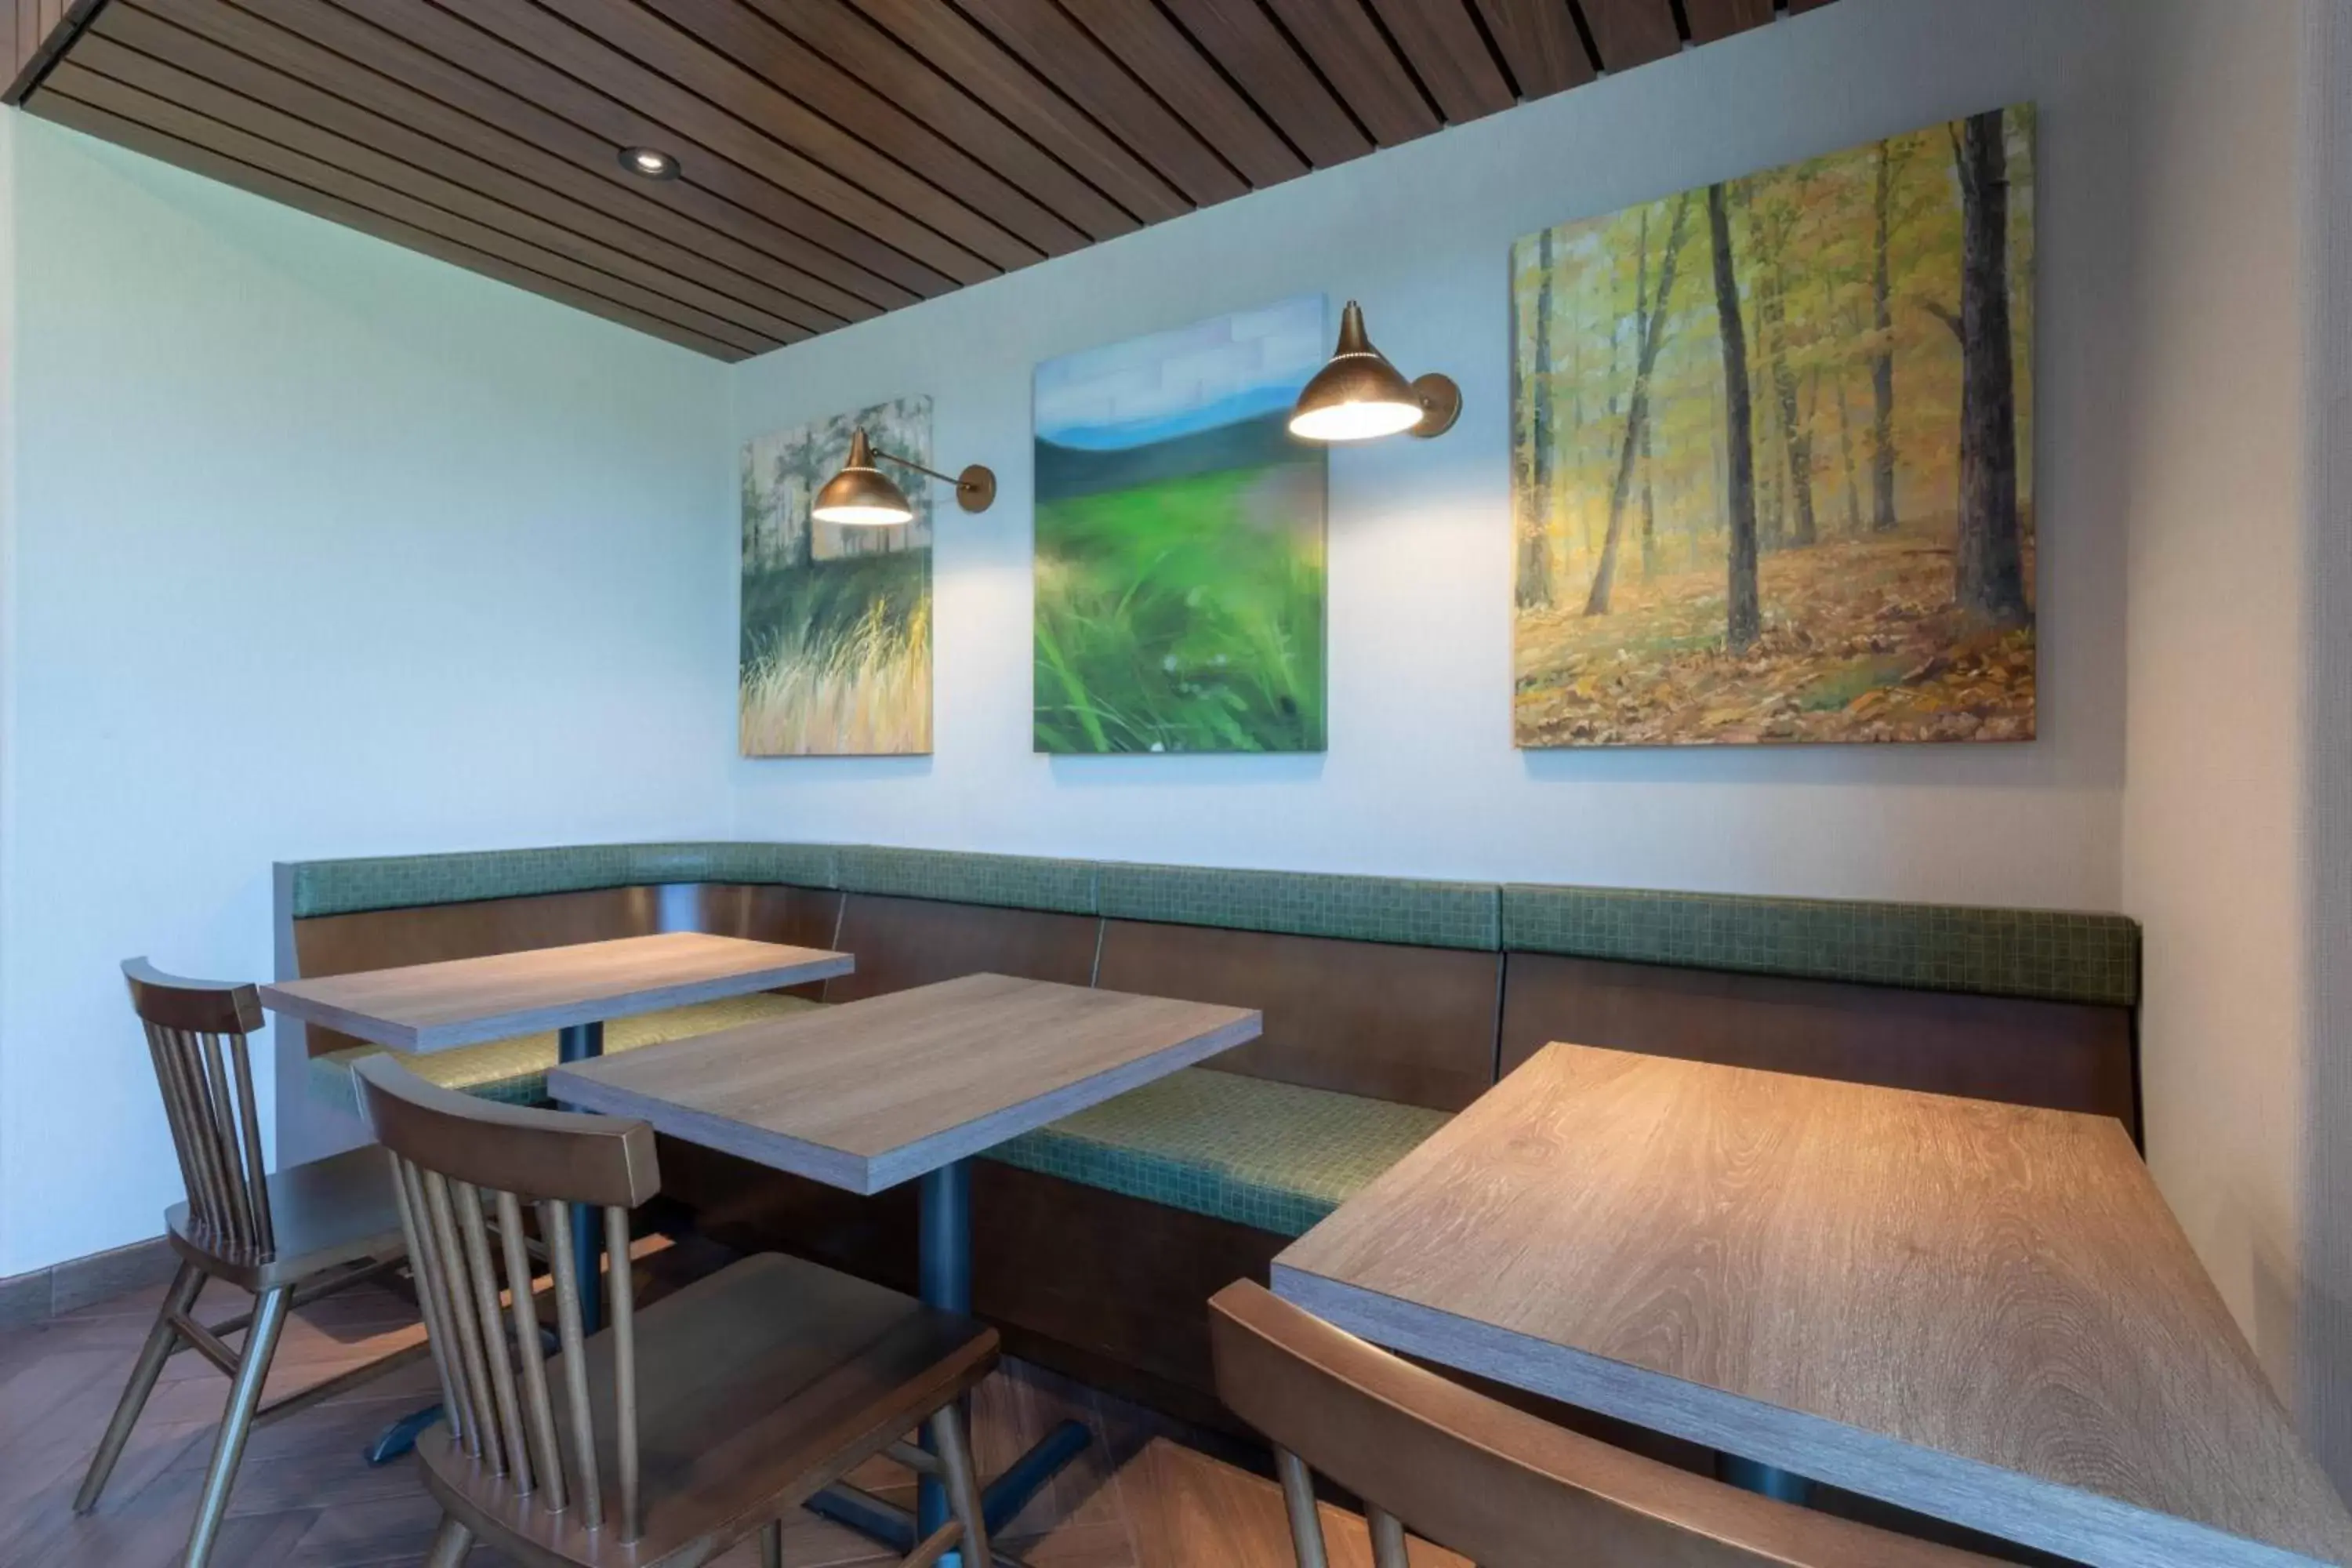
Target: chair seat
x=757, y=1386
x=1272, y=1155
x=326, y=1213
x=515, y=1070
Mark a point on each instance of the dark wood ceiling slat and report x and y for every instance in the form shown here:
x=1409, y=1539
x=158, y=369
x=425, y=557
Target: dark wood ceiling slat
x=1540, y=43
x=195, y=143
x=855, y=266
x=697, y=280
x=726, y=54
x=986, y=69
x=613, y=273
x=663, y=292
x=1358, y=61
x=472, y=65
x=839, y=157
x=1256, y=54
x=847, y=41
x=1629, y=32
x=1442, y=40
x=1711, y=20
x=1157, y=52
x=1064, y=54
x=551, y=41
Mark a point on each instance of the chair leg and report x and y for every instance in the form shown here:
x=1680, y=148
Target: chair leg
x=236, y=1421
x=450, y=1543
x=162, y=1341
x=772, y=1544
x=962, y=1483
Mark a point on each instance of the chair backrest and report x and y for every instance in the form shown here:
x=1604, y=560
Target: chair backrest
x=449, y=1152
x=196, y=1033
x=1497, y=1485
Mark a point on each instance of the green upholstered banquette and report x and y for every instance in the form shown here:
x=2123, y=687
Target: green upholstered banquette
x=1390, y=1004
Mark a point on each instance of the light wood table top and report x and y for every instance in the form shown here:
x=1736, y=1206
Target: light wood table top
x=1983, y=1313
x=462, y=1002
x=872, y=1093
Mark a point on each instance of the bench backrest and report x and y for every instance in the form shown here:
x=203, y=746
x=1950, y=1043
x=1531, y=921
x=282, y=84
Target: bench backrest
x=1422, y=993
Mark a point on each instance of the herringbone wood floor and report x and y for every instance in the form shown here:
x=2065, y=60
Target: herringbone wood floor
x=1139, y=1499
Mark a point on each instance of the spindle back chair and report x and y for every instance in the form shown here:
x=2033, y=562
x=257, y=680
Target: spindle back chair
x=1502, y=1488
x=289, y=1238
x=685, y=1426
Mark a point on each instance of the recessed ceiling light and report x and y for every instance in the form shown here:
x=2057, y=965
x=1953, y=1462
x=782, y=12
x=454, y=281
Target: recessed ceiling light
x=649, y=162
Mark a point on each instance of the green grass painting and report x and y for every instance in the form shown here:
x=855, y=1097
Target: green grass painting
x=835, y=649
x=1179, y=553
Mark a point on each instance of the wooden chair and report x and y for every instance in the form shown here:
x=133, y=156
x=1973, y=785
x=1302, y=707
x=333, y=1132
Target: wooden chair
x=1497, y=1485
x=687, y=1427
x=289, y=1236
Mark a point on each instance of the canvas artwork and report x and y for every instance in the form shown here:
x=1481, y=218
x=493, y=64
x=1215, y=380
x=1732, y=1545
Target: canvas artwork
x=1180, y=574
x=836, y=652
x=1772, y=454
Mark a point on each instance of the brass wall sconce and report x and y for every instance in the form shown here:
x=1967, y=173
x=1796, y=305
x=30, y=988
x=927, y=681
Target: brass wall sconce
x=1360, y=396
x=863, y=496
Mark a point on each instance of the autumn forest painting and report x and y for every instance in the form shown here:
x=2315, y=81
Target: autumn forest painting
x=1771, y=454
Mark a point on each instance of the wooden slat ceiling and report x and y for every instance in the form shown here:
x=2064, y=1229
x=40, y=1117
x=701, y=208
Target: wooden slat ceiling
x=838, y=158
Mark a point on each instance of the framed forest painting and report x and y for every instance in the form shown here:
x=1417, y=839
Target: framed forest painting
x=1772, y=455
x=1180, y=572
x=835, y=649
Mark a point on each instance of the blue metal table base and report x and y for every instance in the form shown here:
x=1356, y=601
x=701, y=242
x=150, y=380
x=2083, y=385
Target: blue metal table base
x=944, y=1275
x=1752, y=1476
x=574, y=1043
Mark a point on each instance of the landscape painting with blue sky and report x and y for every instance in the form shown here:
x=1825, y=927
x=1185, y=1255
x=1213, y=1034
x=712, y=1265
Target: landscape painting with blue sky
x=1179, y=553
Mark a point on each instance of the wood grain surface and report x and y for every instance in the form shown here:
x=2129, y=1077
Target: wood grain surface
x=464, y=1001
x=1983, y=1313
x=872, y=1093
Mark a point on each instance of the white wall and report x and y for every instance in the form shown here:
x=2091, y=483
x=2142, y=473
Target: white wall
x=1421, y=776
x=2325, y=139
x=319, y=548
x=2213, y=813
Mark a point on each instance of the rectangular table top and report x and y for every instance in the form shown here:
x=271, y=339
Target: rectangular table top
x=872, y=1093
x=465, y=1001
x=1982, y=1312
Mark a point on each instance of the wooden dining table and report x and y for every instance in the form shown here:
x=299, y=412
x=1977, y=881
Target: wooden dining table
x=574, y=990
x=907, y=1087
x=1984, y=1313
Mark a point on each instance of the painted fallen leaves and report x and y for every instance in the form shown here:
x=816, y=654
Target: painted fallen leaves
x=1861, y=643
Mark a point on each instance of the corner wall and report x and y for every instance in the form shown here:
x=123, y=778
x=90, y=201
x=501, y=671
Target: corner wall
x=320, y=547
x=2214, y=844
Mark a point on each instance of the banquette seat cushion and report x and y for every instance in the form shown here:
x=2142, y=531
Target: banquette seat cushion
x=1273, y=1155
x=515, y=1070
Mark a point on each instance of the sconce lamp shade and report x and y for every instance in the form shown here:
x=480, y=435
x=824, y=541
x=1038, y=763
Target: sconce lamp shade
x=1360, y=396
x=861, y=495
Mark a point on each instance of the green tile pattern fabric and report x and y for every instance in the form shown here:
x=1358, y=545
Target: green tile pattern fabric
x=407, y=881
x=515, y=1070
x=1303, y=903
x=1272, y=1155
x=1009, y=882
x=2047, y=954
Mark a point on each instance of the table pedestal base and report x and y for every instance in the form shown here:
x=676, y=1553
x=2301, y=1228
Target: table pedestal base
x=944, y=1275
x=1752, y=1476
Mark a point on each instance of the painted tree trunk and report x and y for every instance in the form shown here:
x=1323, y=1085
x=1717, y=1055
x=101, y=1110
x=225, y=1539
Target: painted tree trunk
x=1637, y=407
x=1989, y=560
x=1845, y=450
x=1535, y=538
x=1796, y=443
x=1743, y=618
x=1882, y=363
